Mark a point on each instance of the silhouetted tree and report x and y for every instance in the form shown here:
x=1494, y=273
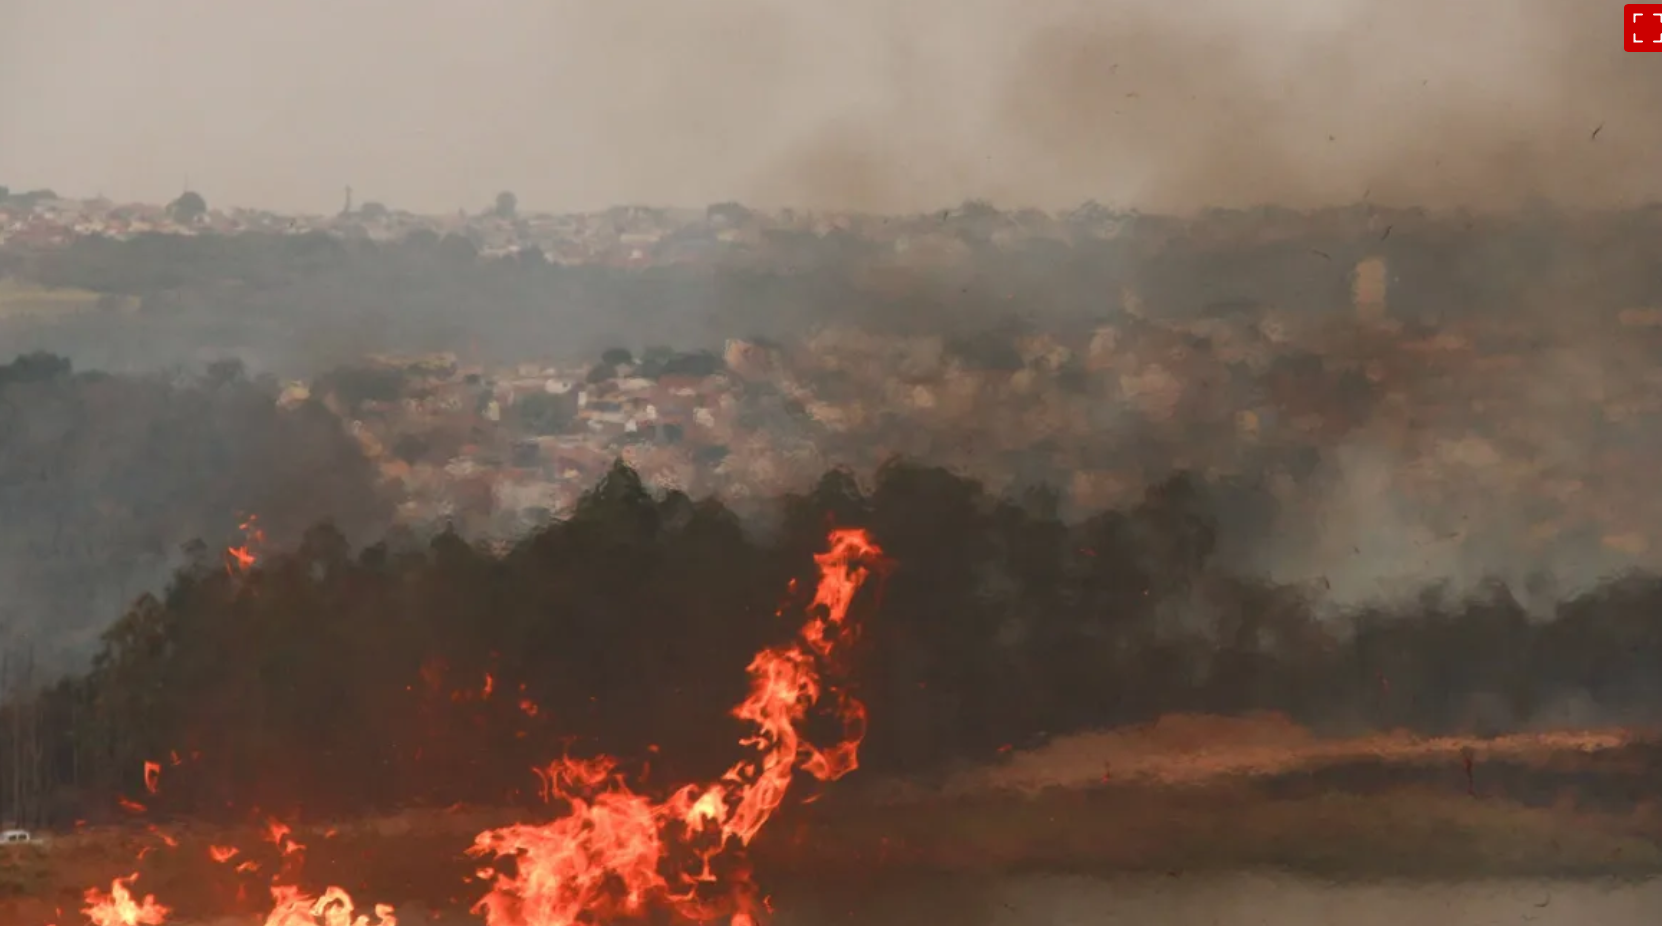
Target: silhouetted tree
x=506, y=205
x=188, y=208
x=543, y=413
x=696, y=363
x=457, y=249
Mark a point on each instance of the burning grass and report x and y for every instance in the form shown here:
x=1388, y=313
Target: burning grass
x=614, y=853
x=1186, y=794
x=1566, y=807
x=417, y=860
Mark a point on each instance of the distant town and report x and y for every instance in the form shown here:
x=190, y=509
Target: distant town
x=626, y=236
x=1441, y=415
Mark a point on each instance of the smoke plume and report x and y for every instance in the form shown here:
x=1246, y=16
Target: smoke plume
x=864, y=104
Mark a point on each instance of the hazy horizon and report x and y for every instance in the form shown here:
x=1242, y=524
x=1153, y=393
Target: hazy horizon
x=858, y=105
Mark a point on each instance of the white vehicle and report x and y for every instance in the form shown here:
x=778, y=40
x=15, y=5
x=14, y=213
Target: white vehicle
x=17, y=837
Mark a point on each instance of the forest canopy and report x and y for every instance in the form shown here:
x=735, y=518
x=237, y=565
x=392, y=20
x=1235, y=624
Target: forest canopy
x=412, y=673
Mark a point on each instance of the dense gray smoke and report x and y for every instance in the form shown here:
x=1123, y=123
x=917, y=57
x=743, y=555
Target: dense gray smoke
x=899, y=107
x=109, y=483
x=866, y=104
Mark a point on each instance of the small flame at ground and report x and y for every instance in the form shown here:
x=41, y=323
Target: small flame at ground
x=333, y=908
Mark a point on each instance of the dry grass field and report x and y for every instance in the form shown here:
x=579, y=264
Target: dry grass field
x=19, y=299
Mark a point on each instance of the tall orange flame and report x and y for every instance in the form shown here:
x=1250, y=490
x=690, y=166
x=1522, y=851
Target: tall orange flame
x=607, y=857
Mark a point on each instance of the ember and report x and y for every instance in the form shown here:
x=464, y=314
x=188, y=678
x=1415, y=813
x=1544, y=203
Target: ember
x=242, y=558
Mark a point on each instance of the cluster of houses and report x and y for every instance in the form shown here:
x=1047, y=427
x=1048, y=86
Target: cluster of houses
x=496, y=451
x=628, y=236
x=1469, y=433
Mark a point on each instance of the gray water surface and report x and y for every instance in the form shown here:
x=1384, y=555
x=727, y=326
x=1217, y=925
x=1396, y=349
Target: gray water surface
x=1192, y=900
x=1232, y=900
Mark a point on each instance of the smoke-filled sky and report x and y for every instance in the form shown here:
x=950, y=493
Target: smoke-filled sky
x=872, y=104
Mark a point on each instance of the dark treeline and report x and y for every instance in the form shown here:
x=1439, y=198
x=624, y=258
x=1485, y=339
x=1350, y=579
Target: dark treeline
x=327, y=680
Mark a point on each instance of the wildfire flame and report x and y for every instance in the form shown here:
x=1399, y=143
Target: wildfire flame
x=118, y=908
x=333, y=908
x=617, y=852
x=607, y=856
x=242, y=558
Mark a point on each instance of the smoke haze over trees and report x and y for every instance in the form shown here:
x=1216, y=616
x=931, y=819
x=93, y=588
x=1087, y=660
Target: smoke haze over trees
x=1545, y=286
x=297, y=304
x=137, y=464
x=1001, y=622
x=103, y=479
